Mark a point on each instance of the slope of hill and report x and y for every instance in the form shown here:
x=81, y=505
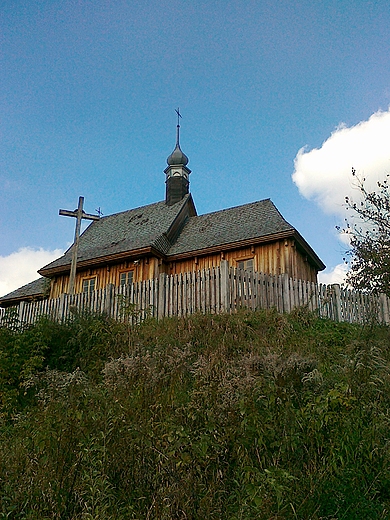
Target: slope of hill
x=254, y=415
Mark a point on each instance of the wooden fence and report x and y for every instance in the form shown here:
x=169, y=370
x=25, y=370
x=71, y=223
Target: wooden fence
x=214, y=290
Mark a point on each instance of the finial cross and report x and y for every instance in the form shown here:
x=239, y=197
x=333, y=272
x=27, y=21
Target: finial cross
x=177, y=110
x=79, y=214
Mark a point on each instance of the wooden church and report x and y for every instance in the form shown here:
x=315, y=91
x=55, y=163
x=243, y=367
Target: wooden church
x=169, y=237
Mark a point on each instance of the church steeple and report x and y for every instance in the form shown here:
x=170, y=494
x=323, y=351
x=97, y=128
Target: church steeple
x=177, y=173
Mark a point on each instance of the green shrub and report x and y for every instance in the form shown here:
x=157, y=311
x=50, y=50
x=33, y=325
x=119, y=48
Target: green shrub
x=255, y=415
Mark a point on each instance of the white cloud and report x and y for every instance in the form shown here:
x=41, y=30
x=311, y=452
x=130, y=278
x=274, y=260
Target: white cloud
x=334, y=275
x=20, y=267
x=324, y=174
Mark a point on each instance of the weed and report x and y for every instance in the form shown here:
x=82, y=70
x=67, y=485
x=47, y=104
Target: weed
x=254, y=415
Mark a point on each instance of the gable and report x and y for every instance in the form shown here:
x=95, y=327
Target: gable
x=241, y=223
x=235, y=227
x=148, y=227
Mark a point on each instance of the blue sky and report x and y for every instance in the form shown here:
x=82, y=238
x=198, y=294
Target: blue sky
x=88, y=92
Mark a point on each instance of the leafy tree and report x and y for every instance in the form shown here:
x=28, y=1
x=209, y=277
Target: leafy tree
x=369, y=228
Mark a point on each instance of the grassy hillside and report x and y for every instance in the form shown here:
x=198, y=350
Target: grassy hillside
x=251, y=416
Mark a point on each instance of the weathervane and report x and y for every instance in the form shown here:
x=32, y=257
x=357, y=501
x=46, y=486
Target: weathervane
x=79, y=214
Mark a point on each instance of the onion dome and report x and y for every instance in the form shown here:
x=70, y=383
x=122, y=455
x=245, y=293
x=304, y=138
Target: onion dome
x=177, y=172
x=177, y=157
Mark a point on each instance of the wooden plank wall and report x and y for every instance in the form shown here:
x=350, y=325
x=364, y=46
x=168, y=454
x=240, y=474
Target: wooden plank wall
x=143, y=269
x=275, y=258
x=213, y=290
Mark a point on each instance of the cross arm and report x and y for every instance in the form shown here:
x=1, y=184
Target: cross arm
x=90, y=217
x=67, y=213
x=87, y=216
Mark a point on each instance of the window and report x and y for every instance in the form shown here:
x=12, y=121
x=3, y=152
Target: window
x=245, y=265
x=126, y=278
x=89, y=285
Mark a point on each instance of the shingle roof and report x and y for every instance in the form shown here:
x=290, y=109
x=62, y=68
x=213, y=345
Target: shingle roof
x=130, y=230
x=250, y=221
x=30, y=290
x=150, y=226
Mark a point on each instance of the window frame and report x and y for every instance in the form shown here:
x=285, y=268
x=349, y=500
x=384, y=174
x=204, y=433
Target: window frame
x=87, y=280
x=244, y=260
x=126, y=272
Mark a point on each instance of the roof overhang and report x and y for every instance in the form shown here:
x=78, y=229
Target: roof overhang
x=101, y=261
x=312, y=256
x=10, y=302
x=152, y=251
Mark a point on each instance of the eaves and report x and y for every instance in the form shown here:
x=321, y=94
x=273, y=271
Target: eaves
x=104, y=260
x=291, y=233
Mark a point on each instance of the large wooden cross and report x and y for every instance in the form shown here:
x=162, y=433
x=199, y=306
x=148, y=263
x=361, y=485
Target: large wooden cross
x=79, y=214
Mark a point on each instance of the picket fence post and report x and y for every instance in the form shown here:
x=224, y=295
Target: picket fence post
x=161, y=295
x=337, y=301
x=286, y=293
x=109, y=297
x=384, y=308
x=61, y=307
x=224, y=274
x=21, y=312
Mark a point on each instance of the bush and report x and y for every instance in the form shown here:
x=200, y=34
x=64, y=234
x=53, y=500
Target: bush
x=254, y=415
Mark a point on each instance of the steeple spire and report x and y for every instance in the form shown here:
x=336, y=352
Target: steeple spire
x=177, y=157
x=177, y=110
x=177, y=183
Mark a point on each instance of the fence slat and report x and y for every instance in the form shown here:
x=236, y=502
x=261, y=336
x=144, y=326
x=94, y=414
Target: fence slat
x=217, y=289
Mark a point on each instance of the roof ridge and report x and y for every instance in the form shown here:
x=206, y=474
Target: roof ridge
x=236, y=207
x=160, y=202
x=132, y=209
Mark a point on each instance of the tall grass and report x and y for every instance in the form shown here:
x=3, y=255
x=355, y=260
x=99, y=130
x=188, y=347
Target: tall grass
x=255, y=415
